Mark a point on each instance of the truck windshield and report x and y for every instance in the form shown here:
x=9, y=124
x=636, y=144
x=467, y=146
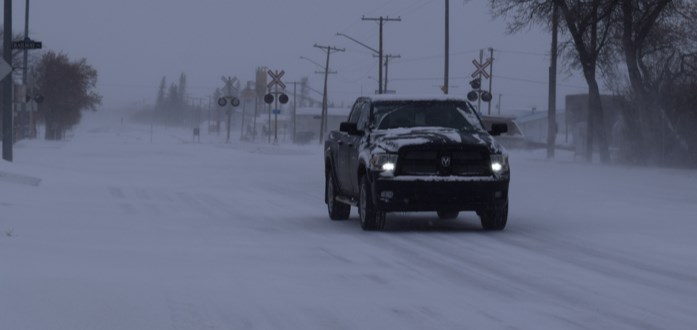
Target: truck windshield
x=450, y=114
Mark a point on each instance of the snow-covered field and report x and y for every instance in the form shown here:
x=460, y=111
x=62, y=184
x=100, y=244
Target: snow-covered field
x=109, y=230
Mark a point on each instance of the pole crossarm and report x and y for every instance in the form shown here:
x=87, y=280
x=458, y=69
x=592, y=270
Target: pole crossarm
x=383, y=19
x=331, y=49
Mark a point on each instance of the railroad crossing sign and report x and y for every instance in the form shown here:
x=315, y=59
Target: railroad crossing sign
x=481, y=68
x=276, y=79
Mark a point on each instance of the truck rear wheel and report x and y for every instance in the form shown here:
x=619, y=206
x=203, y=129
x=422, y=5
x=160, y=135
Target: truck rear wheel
x=337, y=210
x=371, y=217
x=495, y=216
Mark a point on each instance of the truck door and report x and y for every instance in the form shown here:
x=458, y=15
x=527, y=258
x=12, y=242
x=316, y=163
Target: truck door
x=353, y=146
x=344, y=168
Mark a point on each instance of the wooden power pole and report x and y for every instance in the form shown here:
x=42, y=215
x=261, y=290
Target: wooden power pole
x=323, y=125
x=552, y=107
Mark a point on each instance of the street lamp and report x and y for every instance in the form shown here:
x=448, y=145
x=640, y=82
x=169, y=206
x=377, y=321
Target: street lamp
x=312, y=61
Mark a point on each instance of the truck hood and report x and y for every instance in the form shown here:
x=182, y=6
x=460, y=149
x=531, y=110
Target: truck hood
x=391, y=140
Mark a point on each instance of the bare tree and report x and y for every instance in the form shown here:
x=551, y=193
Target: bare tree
x=656, y=37
x=588, y=24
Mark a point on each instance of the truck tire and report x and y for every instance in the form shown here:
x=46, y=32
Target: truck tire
x=495, y=216
x=447, y=215
x=337, y=210
x=371, y=217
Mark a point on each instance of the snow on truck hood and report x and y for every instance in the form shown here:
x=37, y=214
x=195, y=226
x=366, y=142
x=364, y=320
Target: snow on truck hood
x=391, y=140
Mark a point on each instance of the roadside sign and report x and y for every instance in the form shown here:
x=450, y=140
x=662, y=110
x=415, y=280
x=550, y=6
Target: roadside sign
x=276, y=79
x=5, y=69
x=26, y=44
x=481, y=68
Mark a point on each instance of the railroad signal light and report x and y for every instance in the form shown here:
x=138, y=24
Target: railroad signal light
x=472, y=96
x=476, y=83
x=282, y=98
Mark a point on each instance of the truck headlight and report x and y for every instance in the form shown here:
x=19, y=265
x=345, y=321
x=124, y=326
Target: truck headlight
x=383, y=162
x=499, y=163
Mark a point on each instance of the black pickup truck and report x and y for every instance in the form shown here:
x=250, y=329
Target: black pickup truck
x=397, y=154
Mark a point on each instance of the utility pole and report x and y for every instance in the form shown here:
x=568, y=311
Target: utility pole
x=479, y=99
x=7, y=136
x=382, y=21
x=30, y=116
x=329, y=50
x=491, y=75
x=552, y=107
x=498, y=107
x=295, y=94
x=447, y=46
x=387, y=64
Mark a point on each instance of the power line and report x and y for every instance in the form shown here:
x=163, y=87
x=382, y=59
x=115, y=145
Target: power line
x=538, y=82
x=521, y=52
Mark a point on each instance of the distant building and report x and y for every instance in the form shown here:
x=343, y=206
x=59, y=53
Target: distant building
x=308, y=120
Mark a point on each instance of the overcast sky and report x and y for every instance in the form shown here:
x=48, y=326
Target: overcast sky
x=134, y=43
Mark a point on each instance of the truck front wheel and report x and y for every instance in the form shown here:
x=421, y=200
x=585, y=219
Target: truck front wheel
x=371, y=217
x=495, y=216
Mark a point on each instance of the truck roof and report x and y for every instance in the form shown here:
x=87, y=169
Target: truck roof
x=415, y=97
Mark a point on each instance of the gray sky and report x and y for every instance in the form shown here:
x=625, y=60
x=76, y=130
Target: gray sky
x=133, y=43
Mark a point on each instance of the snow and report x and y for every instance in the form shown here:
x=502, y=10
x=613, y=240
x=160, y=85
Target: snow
x=108, y=230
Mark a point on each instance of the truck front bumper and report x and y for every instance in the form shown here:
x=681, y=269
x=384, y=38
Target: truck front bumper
x=433, y=193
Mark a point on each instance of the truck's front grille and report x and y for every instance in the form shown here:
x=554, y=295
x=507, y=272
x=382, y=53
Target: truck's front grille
x=451, y=161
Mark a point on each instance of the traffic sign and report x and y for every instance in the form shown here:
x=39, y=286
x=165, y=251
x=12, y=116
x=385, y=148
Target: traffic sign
x=276, y=79
x=26, y=44
x=481, y=68
x=5, y=69
x=276, y=111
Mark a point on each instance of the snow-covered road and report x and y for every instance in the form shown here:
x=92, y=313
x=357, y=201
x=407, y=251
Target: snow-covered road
x=109, y=230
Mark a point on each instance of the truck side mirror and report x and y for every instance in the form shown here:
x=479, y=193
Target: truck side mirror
x=350, y=128
x=498, y=128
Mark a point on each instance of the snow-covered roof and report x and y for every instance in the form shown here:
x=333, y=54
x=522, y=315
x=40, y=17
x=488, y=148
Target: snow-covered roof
x=415, y=97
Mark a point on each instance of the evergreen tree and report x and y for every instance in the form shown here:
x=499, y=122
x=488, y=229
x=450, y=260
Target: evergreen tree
x=160, y=102
x=182, y=88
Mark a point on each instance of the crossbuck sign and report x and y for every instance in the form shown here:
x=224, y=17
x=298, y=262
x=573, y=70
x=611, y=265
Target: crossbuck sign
x=481, y=68
x=276, y=79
